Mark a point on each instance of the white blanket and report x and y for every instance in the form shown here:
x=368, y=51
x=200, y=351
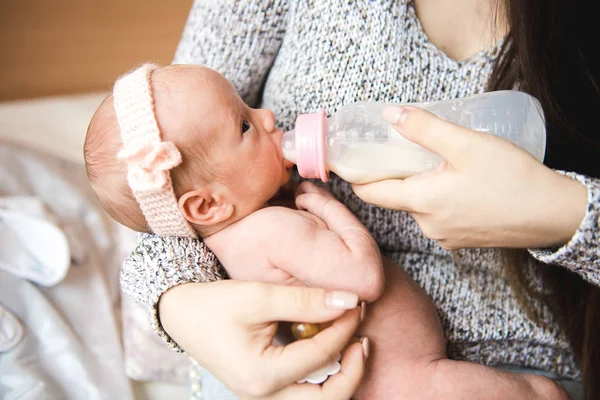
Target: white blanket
x=71, y=347
x=55, y=127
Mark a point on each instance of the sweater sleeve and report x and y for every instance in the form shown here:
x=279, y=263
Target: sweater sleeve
x=238, y=38
x=159, y=263
x=582, y=254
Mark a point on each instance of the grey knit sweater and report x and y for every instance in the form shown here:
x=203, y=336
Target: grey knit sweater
x=298, y=56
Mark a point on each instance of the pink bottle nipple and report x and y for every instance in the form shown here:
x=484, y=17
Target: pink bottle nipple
x=310, y=145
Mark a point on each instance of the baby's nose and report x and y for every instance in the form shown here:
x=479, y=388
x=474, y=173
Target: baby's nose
x=268, y=120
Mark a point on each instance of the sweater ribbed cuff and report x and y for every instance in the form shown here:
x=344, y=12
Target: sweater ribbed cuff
x=160, y=263
x=582, y=253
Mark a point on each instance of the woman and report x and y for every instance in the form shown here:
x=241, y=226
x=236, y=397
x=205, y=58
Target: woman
x=533, y=311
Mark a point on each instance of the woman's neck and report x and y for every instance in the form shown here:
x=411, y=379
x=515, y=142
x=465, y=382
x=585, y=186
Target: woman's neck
x=462, y=28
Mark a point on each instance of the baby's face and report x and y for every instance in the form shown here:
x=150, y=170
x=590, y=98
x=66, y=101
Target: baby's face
x=242, y=145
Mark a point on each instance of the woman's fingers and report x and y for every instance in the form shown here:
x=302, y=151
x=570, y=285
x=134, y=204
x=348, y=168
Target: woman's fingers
x=345, y=383
x=340, y=386
x=238, y=346
x=449, y=140
x=309, y=355
x=289, y=303
x=393, y=194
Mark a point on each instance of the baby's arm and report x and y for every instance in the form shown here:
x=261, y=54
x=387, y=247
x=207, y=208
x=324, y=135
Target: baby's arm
x=325, y=246
x=328, y=246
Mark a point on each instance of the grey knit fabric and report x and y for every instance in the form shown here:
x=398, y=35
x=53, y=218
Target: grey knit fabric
x=298, y=56
x=158, y=264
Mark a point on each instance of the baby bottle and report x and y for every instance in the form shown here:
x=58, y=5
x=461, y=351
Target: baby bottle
x=360, y=146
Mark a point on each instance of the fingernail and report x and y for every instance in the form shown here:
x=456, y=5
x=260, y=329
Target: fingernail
x=365, y=345
x=393, y=114
x=341, y=300
x=363, y=311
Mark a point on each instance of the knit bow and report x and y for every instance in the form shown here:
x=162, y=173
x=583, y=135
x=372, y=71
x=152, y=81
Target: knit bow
x=148, y=166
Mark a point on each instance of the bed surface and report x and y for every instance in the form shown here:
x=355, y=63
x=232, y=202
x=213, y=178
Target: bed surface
x=56, y=126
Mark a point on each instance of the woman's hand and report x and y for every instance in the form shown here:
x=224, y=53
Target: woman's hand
x=228, y=327
x=488, y=192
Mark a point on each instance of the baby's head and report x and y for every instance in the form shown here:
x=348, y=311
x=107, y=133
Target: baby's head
x=175, y=151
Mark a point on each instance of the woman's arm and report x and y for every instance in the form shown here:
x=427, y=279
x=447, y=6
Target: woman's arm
x=490, y=193
x=238, y=38
x=158, y=264
x=582, y=253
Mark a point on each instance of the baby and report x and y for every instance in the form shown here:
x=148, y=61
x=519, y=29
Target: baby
x=175, y=151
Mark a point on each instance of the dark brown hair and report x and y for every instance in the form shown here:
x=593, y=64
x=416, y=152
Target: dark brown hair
x=549, y=53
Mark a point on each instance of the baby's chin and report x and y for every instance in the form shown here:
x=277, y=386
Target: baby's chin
x=288, y=164
x=286, y=176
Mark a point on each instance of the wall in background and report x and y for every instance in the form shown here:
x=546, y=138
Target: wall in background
x=52, y=47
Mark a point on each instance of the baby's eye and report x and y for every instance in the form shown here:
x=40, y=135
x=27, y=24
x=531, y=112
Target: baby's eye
x=245, y=126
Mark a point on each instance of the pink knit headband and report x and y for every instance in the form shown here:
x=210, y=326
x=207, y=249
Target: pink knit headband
x=149, y=159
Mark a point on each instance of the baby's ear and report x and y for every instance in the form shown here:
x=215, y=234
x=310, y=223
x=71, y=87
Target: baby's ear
x=204, y=208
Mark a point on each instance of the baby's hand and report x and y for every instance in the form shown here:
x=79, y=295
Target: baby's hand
x=319, y=202
x=360, y=260
x=310, y=187
x=339, y=219
x=315, y=199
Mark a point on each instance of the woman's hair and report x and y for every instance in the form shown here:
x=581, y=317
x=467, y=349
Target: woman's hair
x=550, y=54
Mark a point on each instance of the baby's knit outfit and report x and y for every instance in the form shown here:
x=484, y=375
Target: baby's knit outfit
x=296, y=57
